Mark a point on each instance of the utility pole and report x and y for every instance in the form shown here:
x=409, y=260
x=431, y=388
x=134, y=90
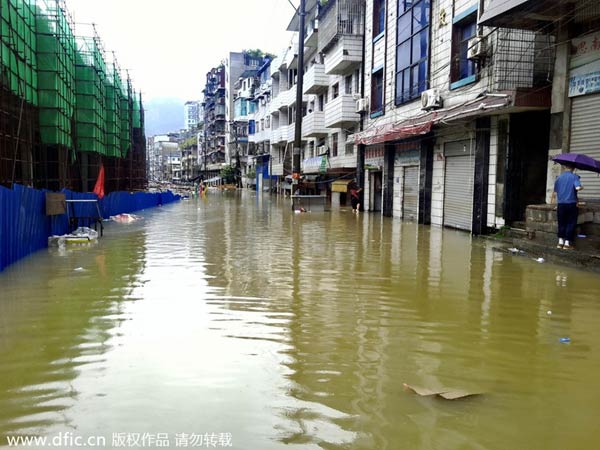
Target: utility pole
x=299, y=89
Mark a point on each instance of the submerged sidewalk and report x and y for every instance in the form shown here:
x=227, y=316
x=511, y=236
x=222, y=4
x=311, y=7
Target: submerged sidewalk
x=579, y=258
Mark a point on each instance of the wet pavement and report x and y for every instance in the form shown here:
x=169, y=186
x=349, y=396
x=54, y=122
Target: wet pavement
x=236, y=318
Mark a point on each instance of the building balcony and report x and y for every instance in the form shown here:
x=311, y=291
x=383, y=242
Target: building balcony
x=315, y=79
x=340, y=112
x=344, y=56
x=291, y=132
x=312, y=35
x=290, y=56
x=287, y=98
x=276, y=135
x=274, y=105
x=313, y=125
x=259, y=136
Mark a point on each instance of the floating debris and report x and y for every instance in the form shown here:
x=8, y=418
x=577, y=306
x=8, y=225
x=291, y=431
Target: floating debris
x=82, y=235
x=125, y=218
x=446, y=394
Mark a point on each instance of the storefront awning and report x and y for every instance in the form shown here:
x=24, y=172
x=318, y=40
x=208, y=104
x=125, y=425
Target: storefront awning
x=391, y=132
x=422, y=124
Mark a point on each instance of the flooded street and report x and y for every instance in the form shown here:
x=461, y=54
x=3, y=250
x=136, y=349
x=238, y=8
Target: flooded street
x=234, y=316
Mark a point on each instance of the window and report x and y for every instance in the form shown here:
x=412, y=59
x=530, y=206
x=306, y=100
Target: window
x=463, y=70
x=348, y=84
x=321, y=102
x=412, y=49
x=334, y=144
x=377, y=92
x=378, y=17
x=357, y=80
x=335, y=90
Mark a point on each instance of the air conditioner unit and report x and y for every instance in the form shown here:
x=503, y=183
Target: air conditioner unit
x=361, y=105
x=430, y=99
x=476, y=47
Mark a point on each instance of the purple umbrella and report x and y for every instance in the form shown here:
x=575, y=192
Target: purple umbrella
x=579, y=161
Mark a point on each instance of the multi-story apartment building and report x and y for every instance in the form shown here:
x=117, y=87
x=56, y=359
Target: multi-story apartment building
x=150, y=159
x=575, y=108
x=191, y=114
x=259, y=127
x=333, y=49
x=212, y=150
x=164, y=158
x=450, y=104
x=283, y=77
x=236, y=65
x=244, y=108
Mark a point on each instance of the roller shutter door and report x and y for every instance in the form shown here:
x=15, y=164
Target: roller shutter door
x=410, y=200
x=458, y=185
x=585, y=138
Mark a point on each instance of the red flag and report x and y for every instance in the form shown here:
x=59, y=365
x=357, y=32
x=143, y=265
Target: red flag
x=99, y=187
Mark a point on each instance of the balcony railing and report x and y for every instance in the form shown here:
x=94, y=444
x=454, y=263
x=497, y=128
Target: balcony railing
x=340, y=18
x=521, y=59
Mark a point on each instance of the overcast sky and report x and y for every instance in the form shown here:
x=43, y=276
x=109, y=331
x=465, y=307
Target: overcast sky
x=168, y=46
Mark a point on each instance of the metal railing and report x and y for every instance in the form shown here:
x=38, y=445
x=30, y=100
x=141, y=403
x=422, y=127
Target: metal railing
x=340, y=18
x=520, y=59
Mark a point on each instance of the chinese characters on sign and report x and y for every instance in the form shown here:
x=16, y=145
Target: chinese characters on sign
x=585, y=45
x=584, y=77
x=585, y=80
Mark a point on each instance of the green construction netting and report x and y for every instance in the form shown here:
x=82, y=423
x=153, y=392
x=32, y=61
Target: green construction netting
x=137, y=112
x=83, y=102
x=90, y=107
x=18, y=48
x=56, y=67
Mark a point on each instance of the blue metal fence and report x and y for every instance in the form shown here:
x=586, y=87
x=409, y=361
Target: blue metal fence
x=25, y=227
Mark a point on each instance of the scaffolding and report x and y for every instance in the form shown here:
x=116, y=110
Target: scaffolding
x=18, y=48
x=90, y=110
x=18, y=92
x=125, y=113
x=113, y=88
x=56, y=78
x=64, y=110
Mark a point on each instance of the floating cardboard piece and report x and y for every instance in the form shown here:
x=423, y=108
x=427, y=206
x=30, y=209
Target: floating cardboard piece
x=447, y=394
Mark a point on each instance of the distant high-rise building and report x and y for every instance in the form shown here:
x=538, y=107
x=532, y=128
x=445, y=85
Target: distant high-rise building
x=191, y=114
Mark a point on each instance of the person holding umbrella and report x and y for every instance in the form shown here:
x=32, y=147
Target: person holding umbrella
x=566, y=187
